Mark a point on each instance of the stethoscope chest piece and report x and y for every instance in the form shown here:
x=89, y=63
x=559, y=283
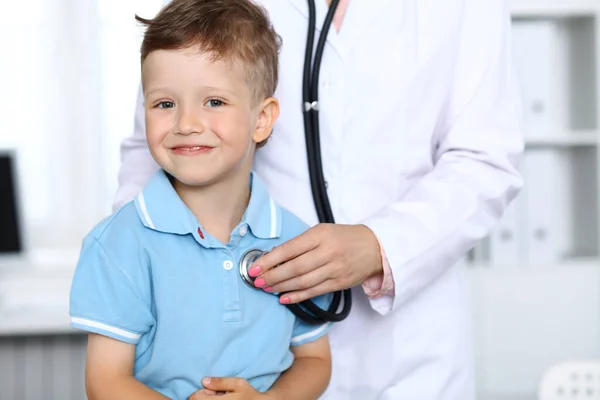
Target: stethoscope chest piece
x=246, y=262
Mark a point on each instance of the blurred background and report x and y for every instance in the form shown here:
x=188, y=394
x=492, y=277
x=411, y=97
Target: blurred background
x=69, y=73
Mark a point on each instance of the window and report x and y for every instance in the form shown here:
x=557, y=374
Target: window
x=69, y=94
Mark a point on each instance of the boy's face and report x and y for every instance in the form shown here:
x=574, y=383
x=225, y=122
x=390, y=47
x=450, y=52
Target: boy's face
x=202, y=123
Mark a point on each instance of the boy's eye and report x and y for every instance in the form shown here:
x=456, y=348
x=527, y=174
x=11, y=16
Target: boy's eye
x=214, y=103
x=166, y=104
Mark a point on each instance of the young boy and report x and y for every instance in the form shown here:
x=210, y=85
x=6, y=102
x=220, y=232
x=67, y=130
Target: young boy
x=157, y=284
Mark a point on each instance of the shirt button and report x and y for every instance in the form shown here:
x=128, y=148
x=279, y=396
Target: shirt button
x=243, y=230
x=228, y=265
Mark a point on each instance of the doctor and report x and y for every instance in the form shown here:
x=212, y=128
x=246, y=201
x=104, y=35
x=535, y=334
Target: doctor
x=420, y=140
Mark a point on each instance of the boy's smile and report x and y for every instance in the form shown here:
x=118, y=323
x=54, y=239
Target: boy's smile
x=191, y=150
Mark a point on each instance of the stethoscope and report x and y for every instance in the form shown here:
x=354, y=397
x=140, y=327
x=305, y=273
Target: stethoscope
x=307, y=310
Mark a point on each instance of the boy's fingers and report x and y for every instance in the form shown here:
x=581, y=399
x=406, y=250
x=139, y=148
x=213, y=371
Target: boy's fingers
x=201, y=394
x=223, y=384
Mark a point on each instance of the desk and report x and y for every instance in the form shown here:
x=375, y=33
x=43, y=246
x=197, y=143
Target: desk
x=34, y=293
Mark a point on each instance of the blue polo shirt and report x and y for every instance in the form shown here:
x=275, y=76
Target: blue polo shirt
x=150, y=275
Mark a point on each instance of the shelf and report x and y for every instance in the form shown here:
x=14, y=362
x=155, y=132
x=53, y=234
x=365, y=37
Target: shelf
x=554, y=8
x=572, y=139
x=554, y=220
x=37, y=321
x=34, y=292
x=568, y=264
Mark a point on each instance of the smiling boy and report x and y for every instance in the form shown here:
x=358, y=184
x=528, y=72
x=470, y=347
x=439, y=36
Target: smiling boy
x=156, y=285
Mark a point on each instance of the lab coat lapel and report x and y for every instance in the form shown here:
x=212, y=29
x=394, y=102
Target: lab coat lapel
x=321, y=7
x=359, y=16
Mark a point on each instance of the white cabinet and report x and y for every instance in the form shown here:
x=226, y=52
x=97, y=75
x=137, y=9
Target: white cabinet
x=555, y=219
x=535, y=281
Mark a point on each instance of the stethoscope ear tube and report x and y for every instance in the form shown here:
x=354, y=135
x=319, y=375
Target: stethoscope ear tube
x=308, y=311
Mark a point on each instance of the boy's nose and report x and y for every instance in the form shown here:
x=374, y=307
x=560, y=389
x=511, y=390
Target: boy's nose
x=189, y=122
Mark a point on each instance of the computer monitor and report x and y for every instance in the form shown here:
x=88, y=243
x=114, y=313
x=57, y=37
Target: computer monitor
x=11, y=239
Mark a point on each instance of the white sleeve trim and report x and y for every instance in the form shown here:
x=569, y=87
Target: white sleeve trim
x=311, y=334
x=383, y=305
x=104, y=327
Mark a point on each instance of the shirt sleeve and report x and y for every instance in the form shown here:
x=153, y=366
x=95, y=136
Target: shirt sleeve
x=305, y=333
x=476, y=153
x=137, y=164
x=104, y=300
x=382, y=284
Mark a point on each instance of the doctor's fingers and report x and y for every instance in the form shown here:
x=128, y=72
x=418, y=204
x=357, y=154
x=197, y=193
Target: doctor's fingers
x=327, y=286
x=306, y=281
x=291, y=249
x=294, y=268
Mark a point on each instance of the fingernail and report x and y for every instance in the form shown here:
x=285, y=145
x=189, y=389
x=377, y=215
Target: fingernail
x=206, y=381
x=254, y=271
x=260, y=282
x=284, y=300
x=268, y=289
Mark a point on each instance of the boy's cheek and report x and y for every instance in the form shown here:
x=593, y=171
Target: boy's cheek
x=157, y=130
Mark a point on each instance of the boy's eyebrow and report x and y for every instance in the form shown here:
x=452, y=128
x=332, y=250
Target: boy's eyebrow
x=160, y=89
x=149, y=92
x=221, y=89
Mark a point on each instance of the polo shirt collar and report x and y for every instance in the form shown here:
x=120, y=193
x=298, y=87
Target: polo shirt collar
x=262, y=215
x=160, y=208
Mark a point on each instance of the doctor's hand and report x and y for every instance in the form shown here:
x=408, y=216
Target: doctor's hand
x=228, y=388
x=325, y=258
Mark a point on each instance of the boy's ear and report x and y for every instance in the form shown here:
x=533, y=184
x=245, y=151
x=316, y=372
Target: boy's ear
x=269, y=112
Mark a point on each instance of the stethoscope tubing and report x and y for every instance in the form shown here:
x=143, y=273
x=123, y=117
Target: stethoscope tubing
x=310, y=96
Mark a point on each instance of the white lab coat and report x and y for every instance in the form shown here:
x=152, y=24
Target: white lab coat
x=420, y=139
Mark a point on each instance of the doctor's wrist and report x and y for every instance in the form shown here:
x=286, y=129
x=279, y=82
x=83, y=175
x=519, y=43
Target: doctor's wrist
x=376, y=268
x=381, y=282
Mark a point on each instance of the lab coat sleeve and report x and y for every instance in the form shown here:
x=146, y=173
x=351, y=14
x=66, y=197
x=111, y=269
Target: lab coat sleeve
x=137, y=164
x=475, y=175
x=381, y=284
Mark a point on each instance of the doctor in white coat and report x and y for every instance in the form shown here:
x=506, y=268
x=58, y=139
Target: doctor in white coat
x=420, y=139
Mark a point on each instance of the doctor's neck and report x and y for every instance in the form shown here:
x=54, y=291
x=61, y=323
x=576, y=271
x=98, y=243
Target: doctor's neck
x=339, y=13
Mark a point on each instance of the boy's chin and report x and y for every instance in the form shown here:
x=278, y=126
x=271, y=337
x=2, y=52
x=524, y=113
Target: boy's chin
x=195, y=179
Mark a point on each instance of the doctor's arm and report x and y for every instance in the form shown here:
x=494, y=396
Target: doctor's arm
x=475, y=175
x=431, y=227
x=137, y=164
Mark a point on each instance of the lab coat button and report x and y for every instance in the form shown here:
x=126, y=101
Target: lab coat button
x=228, y=265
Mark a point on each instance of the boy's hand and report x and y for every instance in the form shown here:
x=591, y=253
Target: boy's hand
x=229, y=389
x=202, y=393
